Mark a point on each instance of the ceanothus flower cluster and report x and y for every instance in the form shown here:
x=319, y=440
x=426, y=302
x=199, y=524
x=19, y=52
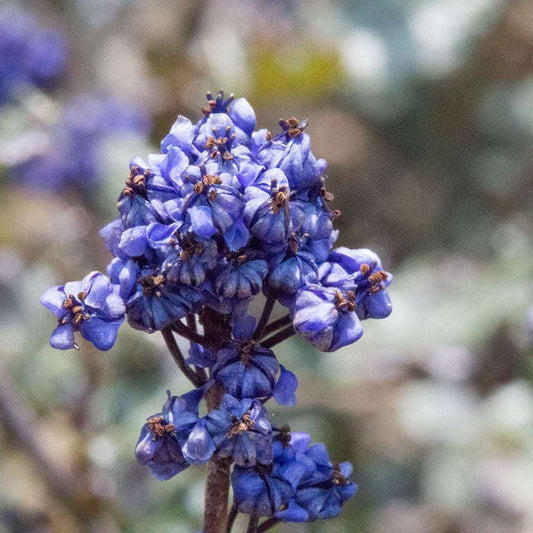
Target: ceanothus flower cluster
x=222, y=215
x=30, y=54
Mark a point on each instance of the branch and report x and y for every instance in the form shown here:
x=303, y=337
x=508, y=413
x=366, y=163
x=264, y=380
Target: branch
x=175, y=351
x=181, y=329
x=231, y=518
x=279, y=323
x=280, y=336
x=267, y=524
x=265, y=315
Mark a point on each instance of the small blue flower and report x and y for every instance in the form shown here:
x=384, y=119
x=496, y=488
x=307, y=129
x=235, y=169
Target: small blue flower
x=31, y=55
x=238, y=429
x=326, y=317
x=92, y=306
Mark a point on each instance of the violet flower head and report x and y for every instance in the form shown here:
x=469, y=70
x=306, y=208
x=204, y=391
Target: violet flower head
x=30, y=55
x=92, y=306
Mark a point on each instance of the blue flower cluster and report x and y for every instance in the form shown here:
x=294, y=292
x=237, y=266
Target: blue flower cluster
x=225, y=214
x=74, y=157
x=30, y=54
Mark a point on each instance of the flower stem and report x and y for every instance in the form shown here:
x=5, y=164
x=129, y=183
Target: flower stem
x=280, y=336
x=252, y=524
x=175, y=351
x=217, y=483
x=265, y=315
x=181, y=329
x=267, y=524
x=279, y=323
x=231, y=518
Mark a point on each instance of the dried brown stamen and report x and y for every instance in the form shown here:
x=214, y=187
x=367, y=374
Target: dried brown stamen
x=240, y=426
x=279, y=199
x=376, y=281
x=152, y=285
x=159, y=427
x=345, y=303
x=292, y=126
x=337, y=477
x=246, y=348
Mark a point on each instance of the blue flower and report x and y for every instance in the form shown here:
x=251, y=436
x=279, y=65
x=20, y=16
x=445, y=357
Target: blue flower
x=92, y=306
x=326, y=317
x=238, y=429
x=245, y=369
x=77, y=139
x=31, y=54
x=151, y=301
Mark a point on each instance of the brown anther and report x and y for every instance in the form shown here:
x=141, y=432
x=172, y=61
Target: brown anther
x=158, y=427
x=294, y=132
x=82, y=295
x=240, y=426
x=337, y=477
x=293, y=243
x=268, y=136
x=151, y=285
x=210, y=143
x=365, y=269
x=68, y=303
x=210, y=179
x=227, y=155
x=328, y=196
x=198, y=187
x=246, y=349
x=280, y=199
x=77, y=309
x=285, y=435
x=335, y=213
x=345, y=303
x=293, y=122
x=78, y=318
x=214, y=154
x=212, y=195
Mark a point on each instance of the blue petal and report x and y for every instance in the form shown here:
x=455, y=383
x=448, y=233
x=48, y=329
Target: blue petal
x=100, y=288
x=202, y=221
x=199, y=446
x=53, y=299
x=284, y=391
x=101, y=333
x=133, y=241
x=62, y=338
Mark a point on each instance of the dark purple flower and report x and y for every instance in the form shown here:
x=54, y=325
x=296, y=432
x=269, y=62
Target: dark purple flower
x=158, y=446
x=92, y=306
x=238, y=429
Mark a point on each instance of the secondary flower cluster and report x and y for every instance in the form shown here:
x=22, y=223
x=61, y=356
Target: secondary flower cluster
x=222, y=215
x=31, y=55
x=76, y=142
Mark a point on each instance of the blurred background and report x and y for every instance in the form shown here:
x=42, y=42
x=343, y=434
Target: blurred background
x=424, y=111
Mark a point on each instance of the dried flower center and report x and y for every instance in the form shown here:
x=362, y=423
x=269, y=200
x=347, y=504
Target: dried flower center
x=240, y=426
x=285, y=435
x=293, y=127
x=190, y=247
x=345, y=303
x=279, y=199
x=337, y=477
x=375, y=280
x=239, y=257
x=207, y=181
x=152, y=285
x=74, y=305
x=246, y=349
x=218, y=104
x=221, y=145
x=158, y=426
x=136, y=182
